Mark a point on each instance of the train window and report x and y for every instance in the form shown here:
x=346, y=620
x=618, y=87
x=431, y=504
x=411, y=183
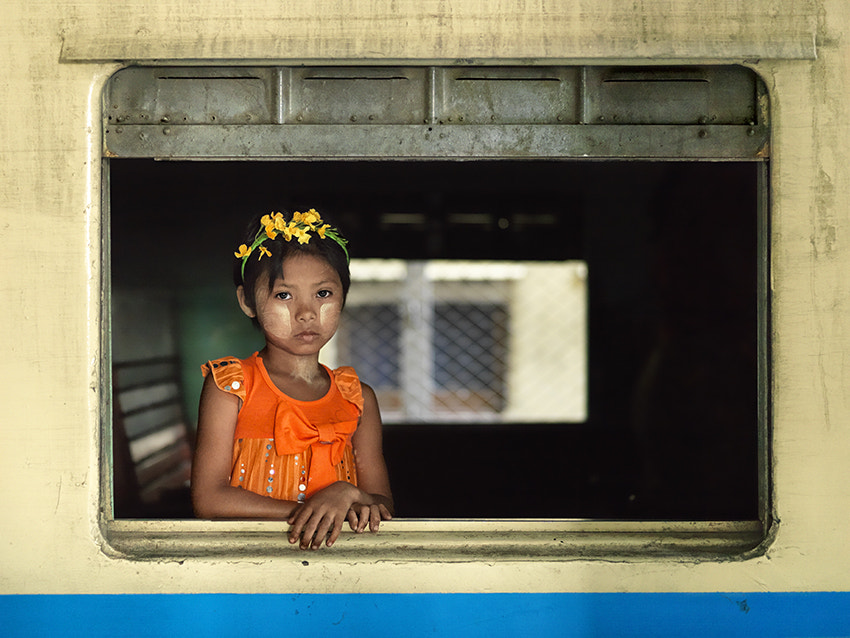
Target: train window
x=559, y=280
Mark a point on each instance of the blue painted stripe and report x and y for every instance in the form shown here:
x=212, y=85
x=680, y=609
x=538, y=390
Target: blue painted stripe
x=410, y=615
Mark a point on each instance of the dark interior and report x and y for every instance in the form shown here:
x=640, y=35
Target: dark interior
x=671, y=250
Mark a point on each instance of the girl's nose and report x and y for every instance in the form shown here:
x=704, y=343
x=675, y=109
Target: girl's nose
x=305, y=312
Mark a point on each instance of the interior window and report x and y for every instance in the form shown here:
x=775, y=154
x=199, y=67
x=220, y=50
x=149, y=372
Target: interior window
x=444, y=348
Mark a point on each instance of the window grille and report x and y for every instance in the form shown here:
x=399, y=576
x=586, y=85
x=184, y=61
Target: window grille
x=446, y=348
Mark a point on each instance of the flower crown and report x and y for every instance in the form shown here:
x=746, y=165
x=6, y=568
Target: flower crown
x=299, y=227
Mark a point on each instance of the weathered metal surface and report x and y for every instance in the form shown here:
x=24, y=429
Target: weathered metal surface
x=468, y=30
x=433, y=112
x=415, y=541
x=684, y=95
x=342, y=141
x=52, y=325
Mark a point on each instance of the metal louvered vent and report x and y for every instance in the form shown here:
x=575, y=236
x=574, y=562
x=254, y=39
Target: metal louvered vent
x=436, y=112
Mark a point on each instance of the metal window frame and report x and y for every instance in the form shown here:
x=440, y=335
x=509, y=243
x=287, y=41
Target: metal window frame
x=133, y=132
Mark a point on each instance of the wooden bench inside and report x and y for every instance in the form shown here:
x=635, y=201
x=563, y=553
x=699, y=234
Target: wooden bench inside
x=152, y=441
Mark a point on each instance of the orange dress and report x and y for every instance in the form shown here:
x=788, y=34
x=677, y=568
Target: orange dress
x=285, y=448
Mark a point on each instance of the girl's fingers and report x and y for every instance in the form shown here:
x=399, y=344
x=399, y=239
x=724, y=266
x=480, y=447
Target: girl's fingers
x=352, y=518
x=374, y=518
x=315, y=531
x=304, y=526
x=297, y=521
x=311, y=527
x=335, y=532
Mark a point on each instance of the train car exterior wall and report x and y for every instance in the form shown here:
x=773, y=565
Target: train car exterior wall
x=57, y=58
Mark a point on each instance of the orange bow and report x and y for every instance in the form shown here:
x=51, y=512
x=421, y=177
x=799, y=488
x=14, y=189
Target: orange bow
x=293, y=433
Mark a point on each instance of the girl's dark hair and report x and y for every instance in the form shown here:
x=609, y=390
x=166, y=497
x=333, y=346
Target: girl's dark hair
x=280, y=250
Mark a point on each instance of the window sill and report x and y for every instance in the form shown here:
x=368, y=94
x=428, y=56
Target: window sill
x=447, y=540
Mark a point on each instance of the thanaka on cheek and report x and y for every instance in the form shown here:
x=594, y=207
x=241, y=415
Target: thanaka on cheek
x=326, y=314
x=279, y=322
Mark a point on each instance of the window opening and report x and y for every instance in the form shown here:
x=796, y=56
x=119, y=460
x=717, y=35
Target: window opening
x=663, y=254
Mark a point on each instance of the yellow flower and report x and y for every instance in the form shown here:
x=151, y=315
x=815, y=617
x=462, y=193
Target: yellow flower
x=321, y=230
x=268, y=222
x=311, y=218
x=244, y=251
x=264, y=251
x=279, y=221
x=302, y=234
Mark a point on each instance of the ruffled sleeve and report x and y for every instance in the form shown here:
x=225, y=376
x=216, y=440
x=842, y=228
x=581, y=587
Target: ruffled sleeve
x=227, y=374
x=349, y=386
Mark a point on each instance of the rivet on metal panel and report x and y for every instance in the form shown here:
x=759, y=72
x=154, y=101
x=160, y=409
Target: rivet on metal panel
x=143, y=136
x=119, y=130
x=166, y=130
x=353, y=118
x=702, y=133
x=751, y=131
x=703, y=120
x=164, y=119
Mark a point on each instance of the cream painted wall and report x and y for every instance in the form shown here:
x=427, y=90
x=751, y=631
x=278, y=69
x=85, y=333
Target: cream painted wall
x=55, y=59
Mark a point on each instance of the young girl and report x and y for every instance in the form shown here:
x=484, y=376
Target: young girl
x=281, y=436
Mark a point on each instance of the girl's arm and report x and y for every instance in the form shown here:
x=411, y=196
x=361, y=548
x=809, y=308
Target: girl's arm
x=372, y=476
x=365, y=504
x=212, y=495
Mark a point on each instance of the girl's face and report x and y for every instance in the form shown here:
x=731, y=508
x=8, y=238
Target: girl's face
x=301, y=311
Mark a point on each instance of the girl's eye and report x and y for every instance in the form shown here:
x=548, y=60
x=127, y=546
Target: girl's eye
x=324, y=294
x=283, y=295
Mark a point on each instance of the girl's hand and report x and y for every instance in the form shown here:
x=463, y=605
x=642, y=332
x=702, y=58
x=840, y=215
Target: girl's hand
x=366, y=504
x=362, y=514
x=323, y=515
